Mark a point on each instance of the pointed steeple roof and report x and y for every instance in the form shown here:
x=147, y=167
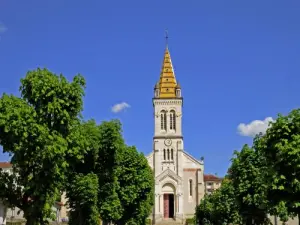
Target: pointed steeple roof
x=167, y=81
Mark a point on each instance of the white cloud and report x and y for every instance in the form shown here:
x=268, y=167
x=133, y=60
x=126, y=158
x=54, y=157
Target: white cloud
x=255, y=127
x=2, y=28
x=120, y=107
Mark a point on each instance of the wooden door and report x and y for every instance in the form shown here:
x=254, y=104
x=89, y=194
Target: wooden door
x=166, y=205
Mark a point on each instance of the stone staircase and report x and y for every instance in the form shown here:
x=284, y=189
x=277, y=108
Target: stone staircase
x=169, y=222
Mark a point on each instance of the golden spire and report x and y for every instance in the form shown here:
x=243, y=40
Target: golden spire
x=167, y=82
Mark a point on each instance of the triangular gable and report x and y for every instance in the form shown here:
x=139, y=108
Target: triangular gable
x=190, y=157
x=168, y=173
x=149, y=156
x=150, y=159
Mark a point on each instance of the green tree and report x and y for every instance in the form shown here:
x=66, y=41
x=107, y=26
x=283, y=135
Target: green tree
x=34, y=129
x=82, y=194
x=248, y=179
x=136, y=185
x=82, y=184
x=126, y=181
x=225, y=203
x=220, y=207
x=111, y=143
x=281, y=148
x=204, y=211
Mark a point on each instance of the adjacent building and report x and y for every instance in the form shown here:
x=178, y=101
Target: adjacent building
x=212, y=183
x=14, y=214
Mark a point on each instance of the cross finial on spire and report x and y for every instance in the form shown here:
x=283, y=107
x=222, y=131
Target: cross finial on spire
x=166, y=37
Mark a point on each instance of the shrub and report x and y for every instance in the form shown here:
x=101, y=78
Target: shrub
x=190, y=221
x=14, y=223
x=148, y=222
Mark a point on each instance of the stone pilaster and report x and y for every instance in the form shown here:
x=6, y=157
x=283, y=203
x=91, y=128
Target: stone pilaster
x=157, y=158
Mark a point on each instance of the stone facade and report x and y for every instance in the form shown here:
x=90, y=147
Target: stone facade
x=179, y=184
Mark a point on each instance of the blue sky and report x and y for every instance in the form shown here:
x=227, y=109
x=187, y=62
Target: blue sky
x=237, y=61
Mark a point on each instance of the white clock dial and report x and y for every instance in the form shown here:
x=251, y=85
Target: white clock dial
x=168, y=142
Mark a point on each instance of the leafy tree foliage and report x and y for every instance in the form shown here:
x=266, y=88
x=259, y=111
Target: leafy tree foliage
x=34, y=129
x=136, y=185
x=205, y=210
x=250, y=188
x=111, y=143
x=82, y=184
x=126, y=181
x=51, y=147
x=281, y=148
x=82, y=193
x=219, y=207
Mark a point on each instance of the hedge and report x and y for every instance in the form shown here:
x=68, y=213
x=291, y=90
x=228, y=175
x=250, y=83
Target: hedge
x=190, y=221
x=148, y=222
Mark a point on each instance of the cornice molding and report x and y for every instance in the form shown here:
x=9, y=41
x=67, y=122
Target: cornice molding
x=163, y=99
x=167, y=102
x=168, y=136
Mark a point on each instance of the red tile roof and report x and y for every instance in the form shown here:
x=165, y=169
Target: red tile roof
x=5, y=165
x=211, y=177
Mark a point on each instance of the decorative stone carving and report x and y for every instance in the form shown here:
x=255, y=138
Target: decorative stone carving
x=168, y=173
x=167, y=102
x=178, y=114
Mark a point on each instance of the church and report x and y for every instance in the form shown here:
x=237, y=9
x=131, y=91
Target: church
x=179, y=178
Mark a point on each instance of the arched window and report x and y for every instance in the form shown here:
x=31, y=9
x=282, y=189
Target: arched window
x=164, y=154
x=163, y=120
x=172, y=120
x=171, y=154
x=191, y=187
x=168, y=154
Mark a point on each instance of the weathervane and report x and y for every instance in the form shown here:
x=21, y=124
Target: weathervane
x=166, y=36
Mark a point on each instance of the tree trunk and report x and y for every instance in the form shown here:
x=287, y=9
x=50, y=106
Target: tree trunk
x=31, y=220
x=275, y=220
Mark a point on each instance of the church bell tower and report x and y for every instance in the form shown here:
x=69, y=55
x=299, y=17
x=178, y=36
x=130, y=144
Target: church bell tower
x=178, y=175
x=167, y=103
x=168, y=144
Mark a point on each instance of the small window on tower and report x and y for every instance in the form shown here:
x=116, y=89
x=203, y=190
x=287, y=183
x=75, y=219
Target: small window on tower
x=163, y=120
x=164, y=154
x=171, y=154
x=168, y=154
x=191, y=187
x=172, y=120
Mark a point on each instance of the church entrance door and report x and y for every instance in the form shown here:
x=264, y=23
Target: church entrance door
x=168, y=206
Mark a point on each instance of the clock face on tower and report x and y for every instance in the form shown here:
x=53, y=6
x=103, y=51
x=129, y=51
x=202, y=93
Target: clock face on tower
x=168, y=142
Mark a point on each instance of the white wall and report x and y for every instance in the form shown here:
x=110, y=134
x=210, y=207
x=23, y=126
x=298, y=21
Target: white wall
x=2, y=214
